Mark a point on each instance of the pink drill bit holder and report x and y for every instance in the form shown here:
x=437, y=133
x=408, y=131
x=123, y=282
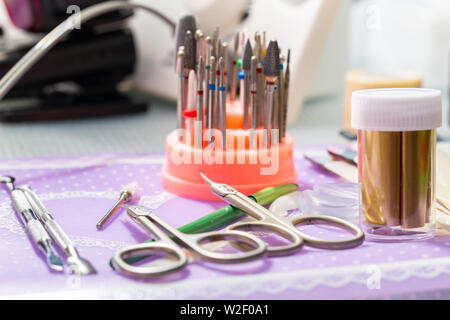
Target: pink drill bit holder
x=246, y=169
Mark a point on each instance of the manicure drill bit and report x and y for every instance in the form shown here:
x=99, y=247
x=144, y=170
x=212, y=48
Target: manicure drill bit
x=128, y=193
x=186, y=23
x=219, y=48
x=234, y=68
x=246, y=66
x=216, y=96
x=199, y=39
x=207, y=68
x=271, y=72
x=287, y=78
x=181, y=91
x=258, y=47
x=215, y=39
x=226, y=65
x=260, y=81
x=264, y=44
x=253, y=88
x=281, y=99
x=199, y=133
x=190, y=52
x=212, y=95
x=222, y=103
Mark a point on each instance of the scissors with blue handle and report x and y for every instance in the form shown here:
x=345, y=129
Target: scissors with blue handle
x=285, y=226
x=193, y=242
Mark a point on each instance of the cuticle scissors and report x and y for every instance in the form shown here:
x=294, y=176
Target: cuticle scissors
x=285, y=226
x=164, y=244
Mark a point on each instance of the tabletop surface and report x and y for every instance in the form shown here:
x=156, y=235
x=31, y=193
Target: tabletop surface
x=78, y=189
x=319, y=123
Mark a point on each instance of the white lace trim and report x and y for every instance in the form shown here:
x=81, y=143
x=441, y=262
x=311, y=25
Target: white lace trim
x=9, y=221
x=276, y=283
x=78, y=162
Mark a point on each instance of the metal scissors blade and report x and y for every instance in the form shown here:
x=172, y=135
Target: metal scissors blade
x=194, y=242
x=288, y=226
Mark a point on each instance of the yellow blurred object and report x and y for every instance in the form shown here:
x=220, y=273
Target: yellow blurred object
x=367, y=79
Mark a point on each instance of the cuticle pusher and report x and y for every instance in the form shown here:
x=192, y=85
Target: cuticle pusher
x=32, y=224
x=76, y=264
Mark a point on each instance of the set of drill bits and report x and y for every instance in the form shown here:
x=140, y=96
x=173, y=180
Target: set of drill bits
x=206, y=87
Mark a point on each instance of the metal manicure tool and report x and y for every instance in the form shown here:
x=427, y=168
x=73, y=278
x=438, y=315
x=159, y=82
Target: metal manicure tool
x=199, y=128
x=222, y=103
x=285, y=226
x=271, y=72
x=212, y=100
x=246, y=66
x=253, y=97
x=234, y=68
x=32, y=224
x=76, y=264
x=181, y=91
x=129, y=192
x=165, y=244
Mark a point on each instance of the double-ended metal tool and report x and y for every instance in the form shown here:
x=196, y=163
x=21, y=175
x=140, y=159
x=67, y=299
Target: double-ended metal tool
x=77, y=264
x=32, y=224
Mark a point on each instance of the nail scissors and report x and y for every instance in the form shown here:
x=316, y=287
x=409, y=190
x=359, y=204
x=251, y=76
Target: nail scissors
x=165, y=244
x=285, y=226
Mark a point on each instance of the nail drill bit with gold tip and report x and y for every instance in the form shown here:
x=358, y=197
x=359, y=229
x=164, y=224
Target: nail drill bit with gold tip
x=234, y=68
x=246, y=66
x=271, y=72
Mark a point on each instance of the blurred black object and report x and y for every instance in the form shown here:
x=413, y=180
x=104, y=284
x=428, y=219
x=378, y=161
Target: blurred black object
x=78, y=78
x=44, y=15
x=348, y=135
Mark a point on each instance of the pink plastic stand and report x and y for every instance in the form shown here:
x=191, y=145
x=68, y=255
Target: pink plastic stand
x=246, y=169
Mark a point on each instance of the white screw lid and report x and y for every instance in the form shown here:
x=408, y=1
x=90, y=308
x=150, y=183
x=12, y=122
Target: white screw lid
x=396, y=109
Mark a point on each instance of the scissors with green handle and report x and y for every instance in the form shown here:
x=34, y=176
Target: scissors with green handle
x=166, y=245
x=287, y=227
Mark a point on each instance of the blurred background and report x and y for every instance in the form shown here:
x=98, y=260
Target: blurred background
x=110, y=86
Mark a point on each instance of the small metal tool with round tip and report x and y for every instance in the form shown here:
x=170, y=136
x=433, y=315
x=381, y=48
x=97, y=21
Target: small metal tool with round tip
x=126, y=195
